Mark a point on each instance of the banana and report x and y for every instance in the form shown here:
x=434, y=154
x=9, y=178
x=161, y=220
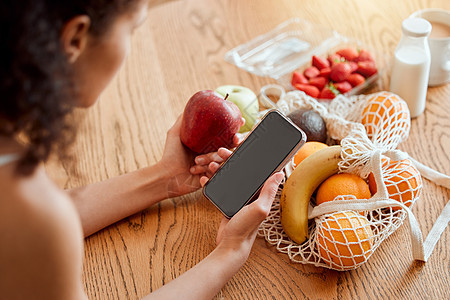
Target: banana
x=300, y=186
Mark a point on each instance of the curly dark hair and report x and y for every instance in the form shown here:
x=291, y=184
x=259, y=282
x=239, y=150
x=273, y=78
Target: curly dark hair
x=36, y=86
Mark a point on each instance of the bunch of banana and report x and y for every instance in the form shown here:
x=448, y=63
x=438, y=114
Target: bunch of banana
x=300, y=186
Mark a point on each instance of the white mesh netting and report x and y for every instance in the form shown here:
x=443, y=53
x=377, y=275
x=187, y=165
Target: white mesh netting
x=345, y=232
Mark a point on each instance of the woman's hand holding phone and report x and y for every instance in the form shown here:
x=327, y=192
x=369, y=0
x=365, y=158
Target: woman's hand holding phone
x=235, y=237
x=234, y=241
x=239, y=232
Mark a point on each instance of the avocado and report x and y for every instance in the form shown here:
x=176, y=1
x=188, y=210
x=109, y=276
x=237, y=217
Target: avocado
x=311, y=123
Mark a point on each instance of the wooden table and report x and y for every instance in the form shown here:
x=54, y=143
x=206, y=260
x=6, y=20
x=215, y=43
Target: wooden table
x=180, y=50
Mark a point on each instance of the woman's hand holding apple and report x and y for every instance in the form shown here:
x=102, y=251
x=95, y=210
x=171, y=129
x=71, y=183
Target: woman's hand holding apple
x=208, y=123
x=183, y=172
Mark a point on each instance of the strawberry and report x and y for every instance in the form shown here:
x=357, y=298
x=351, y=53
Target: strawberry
x=348, y=53
x=325, y=72
x=308, y=89
x=340, y=72
x=343, y=86
x=334, y=59
x=319, y=82
x=319, y=62
x=311, y=72
x=354, y=66
x=355, y=79
x=327, y=93
x=298, y=77
x=366, y=68
x=364, y=55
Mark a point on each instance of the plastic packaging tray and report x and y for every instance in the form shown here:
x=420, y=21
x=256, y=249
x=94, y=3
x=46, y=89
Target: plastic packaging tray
x=290, y=46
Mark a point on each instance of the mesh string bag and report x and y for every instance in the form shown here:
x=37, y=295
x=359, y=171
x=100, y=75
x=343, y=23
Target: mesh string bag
x=344, y=239
x=345, y=232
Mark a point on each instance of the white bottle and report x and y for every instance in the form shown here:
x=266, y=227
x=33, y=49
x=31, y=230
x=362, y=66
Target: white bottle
x=409, y=78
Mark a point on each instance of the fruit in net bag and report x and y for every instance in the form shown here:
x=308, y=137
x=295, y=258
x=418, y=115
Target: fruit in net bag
x=306, y=150
x=311, y=123
x=300, y=186
x=402, y=179
x=340, y=185
x=386, y=117
x=344, y=239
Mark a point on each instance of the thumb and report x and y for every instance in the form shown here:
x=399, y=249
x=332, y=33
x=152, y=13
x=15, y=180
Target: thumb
x=270, y=189
x=177, y=125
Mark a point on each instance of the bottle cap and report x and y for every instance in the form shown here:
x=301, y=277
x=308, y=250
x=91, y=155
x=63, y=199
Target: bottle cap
x=416, y=27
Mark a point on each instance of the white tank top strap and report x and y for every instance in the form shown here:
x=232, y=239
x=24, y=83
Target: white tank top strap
x=8, y=158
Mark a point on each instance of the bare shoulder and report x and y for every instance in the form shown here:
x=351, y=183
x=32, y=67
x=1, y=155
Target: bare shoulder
x=41, y=238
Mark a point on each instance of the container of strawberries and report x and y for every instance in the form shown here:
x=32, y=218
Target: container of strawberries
x=348, y=70
x=312, y=58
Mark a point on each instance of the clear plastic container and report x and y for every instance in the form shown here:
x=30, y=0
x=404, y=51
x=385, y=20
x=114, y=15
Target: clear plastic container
x=290, y=47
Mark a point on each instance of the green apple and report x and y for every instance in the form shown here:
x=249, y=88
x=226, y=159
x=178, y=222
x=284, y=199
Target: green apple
x=246, y=101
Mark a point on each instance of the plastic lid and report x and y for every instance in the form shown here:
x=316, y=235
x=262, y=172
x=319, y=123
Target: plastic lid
x=283, y=49
x=416, y=27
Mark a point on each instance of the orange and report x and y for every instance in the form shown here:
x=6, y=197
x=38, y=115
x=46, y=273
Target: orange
x=344, y=239
x=342, y=184
x=385, y=109
x=402, y=180
x=306, y=150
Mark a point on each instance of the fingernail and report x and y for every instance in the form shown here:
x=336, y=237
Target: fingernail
x=192, y=169
x=200, y=160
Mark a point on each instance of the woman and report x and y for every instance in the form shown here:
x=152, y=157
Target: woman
x=56, y=56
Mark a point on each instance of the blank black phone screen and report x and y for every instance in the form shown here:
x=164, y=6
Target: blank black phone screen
x=252, y=163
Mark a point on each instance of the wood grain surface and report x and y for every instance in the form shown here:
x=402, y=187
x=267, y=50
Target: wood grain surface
x=180, y=50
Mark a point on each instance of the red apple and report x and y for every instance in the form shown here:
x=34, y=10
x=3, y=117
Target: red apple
x=209, y=122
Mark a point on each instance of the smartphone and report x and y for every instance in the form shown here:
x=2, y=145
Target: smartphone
x=265, y=151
